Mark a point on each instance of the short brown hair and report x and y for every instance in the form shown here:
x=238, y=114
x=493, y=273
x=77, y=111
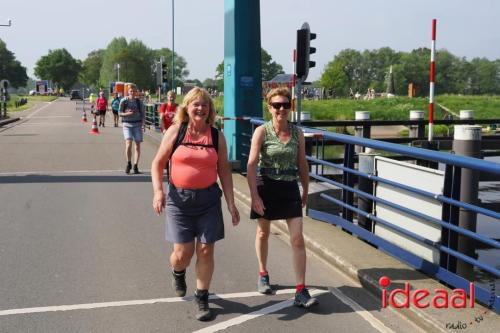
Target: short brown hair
x=278, y=91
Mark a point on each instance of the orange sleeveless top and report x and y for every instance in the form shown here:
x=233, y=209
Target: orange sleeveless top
x=194, y=167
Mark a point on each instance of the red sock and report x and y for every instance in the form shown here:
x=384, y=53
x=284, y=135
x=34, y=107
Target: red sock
x=300, y=287
x=263, y=273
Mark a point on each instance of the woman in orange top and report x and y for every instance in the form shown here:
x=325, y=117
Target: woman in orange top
x=193, y=201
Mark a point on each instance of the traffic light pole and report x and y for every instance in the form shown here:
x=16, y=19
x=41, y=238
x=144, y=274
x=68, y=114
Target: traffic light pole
x=299, y=100
x=160, y=70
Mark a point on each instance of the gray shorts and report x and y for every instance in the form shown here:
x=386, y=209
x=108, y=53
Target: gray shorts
x=133, y=133
x=194, y=214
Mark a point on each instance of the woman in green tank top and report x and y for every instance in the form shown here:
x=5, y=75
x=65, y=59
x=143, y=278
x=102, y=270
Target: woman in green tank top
x=278, y=152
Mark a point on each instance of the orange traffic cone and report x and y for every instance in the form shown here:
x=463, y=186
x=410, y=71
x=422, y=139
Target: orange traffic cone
x=94, y=130
x=84, y=117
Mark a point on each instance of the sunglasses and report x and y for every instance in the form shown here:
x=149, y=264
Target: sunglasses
x=278, y=105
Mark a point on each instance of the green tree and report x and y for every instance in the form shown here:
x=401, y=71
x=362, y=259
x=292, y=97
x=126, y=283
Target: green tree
x=345, y=72
x=134, y=59
x=92, y=68
x=10, y=68
x=269, y=68
x=219, y=76
x=209, y=83
x=485, y=76
x=60, y=67
x=181, y=71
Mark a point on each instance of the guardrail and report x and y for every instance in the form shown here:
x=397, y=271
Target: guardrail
x=452, y=206
x=152, y=116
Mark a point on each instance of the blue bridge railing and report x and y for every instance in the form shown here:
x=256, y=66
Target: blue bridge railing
x=452, y=165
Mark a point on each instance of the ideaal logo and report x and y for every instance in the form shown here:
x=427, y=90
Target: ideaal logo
x=422, y=298
x=440, y=300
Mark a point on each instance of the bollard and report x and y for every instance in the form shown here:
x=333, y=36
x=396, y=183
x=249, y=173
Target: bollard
x=362, y=131
x=467, y=142
x=417, y=131
x=466, y=114
x=366, y=165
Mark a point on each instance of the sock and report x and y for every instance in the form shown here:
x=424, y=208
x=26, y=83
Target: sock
x=300, y=287
x=263, y=273
x=179, y=272
x=129, y=163
x=200, y=292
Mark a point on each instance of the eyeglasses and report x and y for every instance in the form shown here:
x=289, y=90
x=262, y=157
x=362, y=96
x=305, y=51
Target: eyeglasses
x=279, y=105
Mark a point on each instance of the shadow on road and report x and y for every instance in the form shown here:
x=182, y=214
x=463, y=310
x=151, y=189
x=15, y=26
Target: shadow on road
x=31, y=179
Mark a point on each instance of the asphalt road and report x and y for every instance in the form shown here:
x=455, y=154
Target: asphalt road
x=82, y=251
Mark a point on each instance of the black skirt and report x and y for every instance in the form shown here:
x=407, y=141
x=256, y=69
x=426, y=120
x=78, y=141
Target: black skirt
x=281, y=199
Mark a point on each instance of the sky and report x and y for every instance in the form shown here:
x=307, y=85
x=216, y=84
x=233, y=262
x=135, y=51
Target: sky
x=465, y=28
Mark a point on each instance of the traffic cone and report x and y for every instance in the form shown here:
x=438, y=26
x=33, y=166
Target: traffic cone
x=84, y=117
x=94, y=130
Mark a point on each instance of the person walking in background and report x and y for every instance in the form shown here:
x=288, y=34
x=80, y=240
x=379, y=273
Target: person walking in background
x=167, y=112
x=278, y=149
x=198, y=154
x=115, y=107
x=92, y=105
x=132, y=112
x=101, y=105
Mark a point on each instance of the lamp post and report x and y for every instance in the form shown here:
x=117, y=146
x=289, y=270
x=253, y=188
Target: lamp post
x=7, y=25
x=117, y=67
x=173, y=56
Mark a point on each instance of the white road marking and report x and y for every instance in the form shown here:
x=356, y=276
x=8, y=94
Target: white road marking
x=54, y=172
x=252, y=315
x=373, y=321
x=48, y=117
x=367, y=316
x=40, y=109
x=89, y=306
x=27, y=124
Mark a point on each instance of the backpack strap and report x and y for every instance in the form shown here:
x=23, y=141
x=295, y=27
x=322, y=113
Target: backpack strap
x=180, y=137
x=215, y=139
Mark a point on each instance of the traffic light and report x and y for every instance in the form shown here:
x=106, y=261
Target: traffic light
x=164, y=74
x=304, y=50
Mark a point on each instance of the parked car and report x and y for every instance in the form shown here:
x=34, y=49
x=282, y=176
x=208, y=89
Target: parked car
x=75, y=94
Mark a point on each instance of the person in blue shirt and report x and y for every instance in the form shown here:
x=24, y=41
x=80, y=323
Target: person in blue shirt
x=115, y=107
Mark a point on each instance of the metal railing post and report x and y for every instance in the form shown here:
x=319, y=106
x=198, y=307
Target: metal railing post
x=364, y=130
x=467, y=141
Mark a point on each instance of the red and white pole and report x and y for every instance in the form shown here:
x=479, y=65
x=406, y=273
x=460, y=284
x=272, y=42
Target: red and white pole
x=431, y=85
x=294, y=80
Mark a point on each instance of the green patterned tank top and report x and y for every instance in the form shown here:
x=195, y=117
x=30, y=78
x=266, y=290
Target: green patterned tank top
x=277, y=155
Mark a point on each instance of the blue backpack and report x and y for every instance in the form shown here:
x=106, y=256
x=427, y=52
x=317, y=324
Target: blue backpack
x=115, y=104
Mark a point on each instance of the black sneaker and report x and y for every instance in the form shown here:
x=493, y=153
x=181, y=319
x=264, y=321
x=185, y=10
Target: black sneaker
x=263, y=285
x=127, y=169
x=136, y=169
x=201, y=300
x=179, y=283
x=303, y=299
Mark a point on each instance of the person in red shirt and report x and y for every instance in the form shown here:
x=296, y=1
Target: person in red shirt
x=167, y=111
x=101, y=105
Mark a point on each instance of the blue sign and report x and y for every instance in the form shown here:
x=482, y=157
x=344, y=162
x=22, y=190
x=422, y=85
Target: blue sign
x=246, y=81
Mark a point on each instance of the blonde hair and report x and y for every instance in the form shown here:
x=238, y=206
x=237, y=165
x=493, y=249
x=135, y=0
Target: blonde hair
x=181, y=116
x=170, y=93
x=278, y=91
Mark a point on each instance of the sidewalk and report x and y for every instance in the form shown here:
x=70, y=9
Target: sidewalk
x=366, y=265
